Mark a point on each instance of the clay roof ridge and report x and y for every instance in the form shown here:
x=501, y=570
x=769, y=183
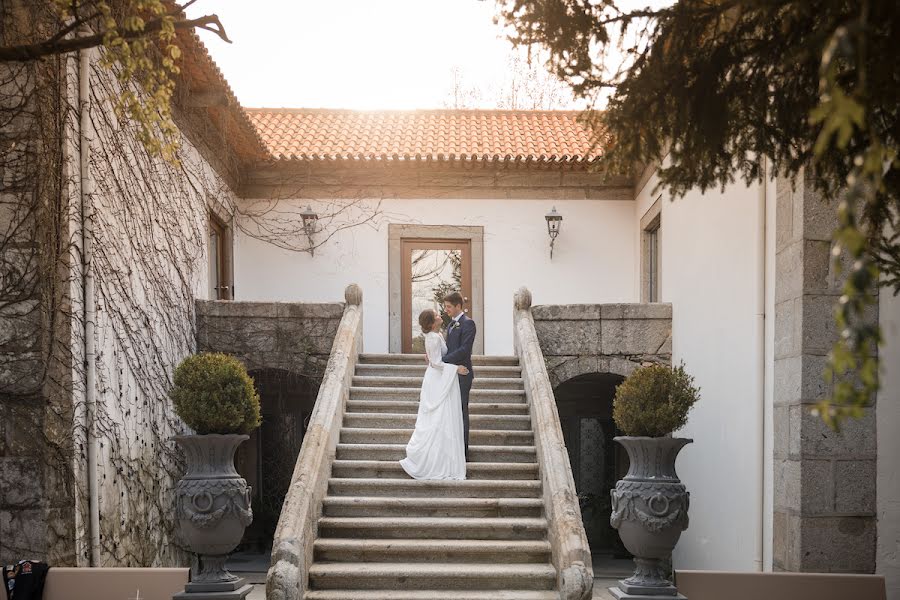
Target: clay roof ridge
x=411, y=111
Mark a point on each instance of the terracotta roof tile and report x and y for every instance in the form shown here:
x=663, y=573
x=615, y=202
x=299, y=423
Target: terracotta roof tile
x=425, y=135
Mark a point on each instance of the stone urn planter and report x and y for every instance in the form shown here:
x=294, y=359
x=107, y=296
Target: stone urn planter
x=214, y=396
x=650, y=510
x=212, y=508
x=650, y=505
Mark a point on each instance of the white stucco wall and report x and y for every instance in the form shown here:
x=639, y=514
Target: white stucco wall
x=592, y=262
x=888, y=423
x=712, y=275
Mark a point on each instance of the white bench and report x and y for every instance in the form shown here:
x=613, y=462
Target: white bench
x=721, y=585
x=70, y=583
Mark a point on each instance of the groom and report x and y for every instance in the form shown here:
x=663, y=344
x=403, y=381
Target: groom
x=460, y=339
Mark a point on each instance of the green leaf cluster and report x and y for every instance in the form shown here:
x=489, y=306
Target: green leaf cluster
x=143, y=61
x=213, y=393
x=654, y=401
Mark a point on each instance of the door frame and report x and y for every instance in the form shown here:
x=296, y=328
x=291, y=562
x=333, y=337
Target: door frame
x=407, y=246
x=396, y=234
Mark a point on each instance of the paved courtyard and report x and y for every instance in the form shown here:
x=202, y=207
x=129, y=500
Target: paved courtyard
x=600, y=593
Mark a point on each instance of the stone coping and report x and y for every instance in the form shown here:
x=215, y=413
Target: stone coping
x=292, y=546
x=240, y=308
x=569, y=546
x=593, y=312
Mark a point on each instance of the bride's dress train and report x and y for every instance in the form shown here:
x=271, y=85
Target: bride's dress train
x=436, y=449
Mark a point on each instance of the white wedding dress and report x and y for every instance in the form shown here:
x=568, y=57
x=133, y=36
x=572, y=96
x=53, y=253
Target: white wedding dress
x=436, y=449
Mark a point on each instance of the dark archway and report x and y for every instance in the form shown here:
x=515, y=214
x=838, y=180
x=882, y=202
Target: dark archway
x=585, y=413
x=267, y=459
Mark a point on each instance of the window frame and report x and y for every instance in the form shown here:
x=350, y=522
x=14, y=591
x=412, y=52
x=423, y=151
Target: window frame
x=224, y=264
x=651, y=253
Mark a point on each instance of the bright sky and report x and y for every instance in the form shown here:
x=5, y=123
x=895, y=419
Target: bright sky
x=362, y=54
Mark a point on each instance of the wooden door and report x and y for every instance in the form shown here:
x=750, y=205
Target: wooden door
x=430, y=270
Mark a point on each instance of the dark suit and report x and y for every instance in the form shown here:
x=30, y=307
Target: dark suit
x=460, y=339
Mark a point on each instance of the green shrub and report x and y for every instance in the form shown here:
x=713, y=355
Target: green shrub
x=654, y=401
x=214, y=394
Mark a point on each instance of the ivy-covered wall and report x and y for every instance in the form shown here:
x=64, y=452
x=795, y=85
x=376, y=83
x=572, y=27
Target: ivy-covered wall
x=151, y=223
x=150, y=264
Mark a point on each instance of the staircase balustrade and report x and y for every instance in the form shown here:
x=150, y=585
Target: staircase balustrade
x=292, y=548
x=571, y=554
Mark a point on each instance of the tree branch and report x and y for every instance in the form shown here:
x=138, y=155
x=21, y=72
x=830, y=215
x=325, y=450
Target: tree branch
x=53, y=46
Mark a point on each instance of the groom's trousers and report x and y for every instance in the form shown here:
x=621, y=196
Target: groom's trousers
x=465, y=385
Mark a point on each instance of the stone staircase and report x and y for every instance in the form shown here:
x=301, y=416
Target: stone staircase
x=385, y=536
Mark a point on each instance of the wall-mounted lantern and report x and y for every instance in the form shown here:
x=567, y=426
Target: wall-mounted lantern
x=554, y=220
x=310, y=218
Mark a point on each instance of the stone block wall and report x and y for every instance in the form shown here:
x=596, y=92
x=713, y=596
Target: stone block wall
x=824, y=481
x=276, y=335
x=578, y=339
x=37, y=513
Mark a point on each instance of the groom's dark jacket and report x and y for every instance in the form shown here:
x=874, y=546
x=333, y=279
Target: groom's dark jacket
x=460, y=340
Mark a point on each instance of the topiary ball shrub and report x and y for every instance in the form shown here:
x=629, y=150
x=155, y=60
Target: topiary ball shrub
x=214, y=394
x=654, y=401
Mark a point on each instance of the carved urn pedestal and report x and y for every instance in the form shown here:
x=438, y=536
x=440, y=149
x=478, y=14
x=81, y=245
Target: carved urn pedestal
x=212, y=506
x=650, y=510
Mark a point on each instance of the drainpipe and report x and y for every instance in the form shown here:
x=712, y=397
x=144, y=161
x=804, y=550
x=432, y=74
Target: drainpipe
x=90, y=308
x=761, y=374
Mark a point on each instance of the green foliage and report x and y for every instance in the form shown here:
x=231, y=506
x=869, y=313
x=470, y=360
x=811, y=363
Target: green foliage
x=139, y=46
x=144, y=62
x=654, y=401
x=718, y=91
x=214, y=394
x=843, y=114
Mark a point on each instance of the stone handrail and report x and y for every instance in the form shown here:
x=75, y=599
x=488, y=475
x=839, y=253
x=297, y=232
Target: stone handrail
x=292, y=548
x=569, y=545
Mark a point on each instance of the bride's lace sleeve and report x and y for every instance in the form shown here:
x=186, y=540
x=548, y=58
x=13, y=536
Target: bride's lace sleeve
x=433, y=343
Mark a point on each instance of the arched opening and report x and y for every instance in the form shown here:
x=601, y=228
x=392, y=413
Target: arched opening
x=585, y=413
x=267, y=459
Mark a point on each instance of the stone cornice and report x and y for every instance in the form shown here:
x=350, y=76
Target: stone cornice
x=422, y=182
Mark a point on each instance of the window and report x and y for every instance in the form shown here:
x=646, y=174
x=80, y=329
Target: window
x=219, y=261
x=653, y=259
x=650, y=254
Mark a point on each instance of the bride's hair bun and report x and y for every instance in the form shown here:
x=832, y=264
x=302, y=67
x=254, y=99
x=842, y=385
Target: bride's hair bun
x=426, y=320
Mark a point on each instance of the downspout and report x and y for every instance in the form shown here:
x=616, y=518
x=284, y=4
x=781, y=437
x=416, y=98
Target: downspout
x=761, y=374
x=90, y=309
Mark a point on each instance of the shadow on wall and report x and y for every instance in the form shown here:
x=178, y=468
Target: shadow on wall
x=585, y=413
x=267, y=459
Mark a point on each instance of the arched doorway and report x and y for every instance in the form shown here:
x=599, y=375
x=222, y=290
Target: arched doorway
x=585, y=413
x=267, y=459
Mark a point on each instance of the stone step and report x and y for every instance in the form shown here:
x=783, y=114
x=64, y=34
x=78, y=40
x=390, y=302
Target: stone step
x=484, y=371
x=395, y=393
x=479, y=383
x=495, y=437
x=408, y=421
x=442, y=576
x=410, y=406
x=388, y=469
x=430, y=595
x=350, y=506
x=514, y=454
x=411, y=488
x=432, y=551
x=431, y=528
x=417, y=359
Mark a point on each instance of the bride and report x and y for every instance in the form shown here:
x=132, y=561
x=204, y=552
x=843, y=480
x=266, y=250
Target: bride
x=436, y=449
